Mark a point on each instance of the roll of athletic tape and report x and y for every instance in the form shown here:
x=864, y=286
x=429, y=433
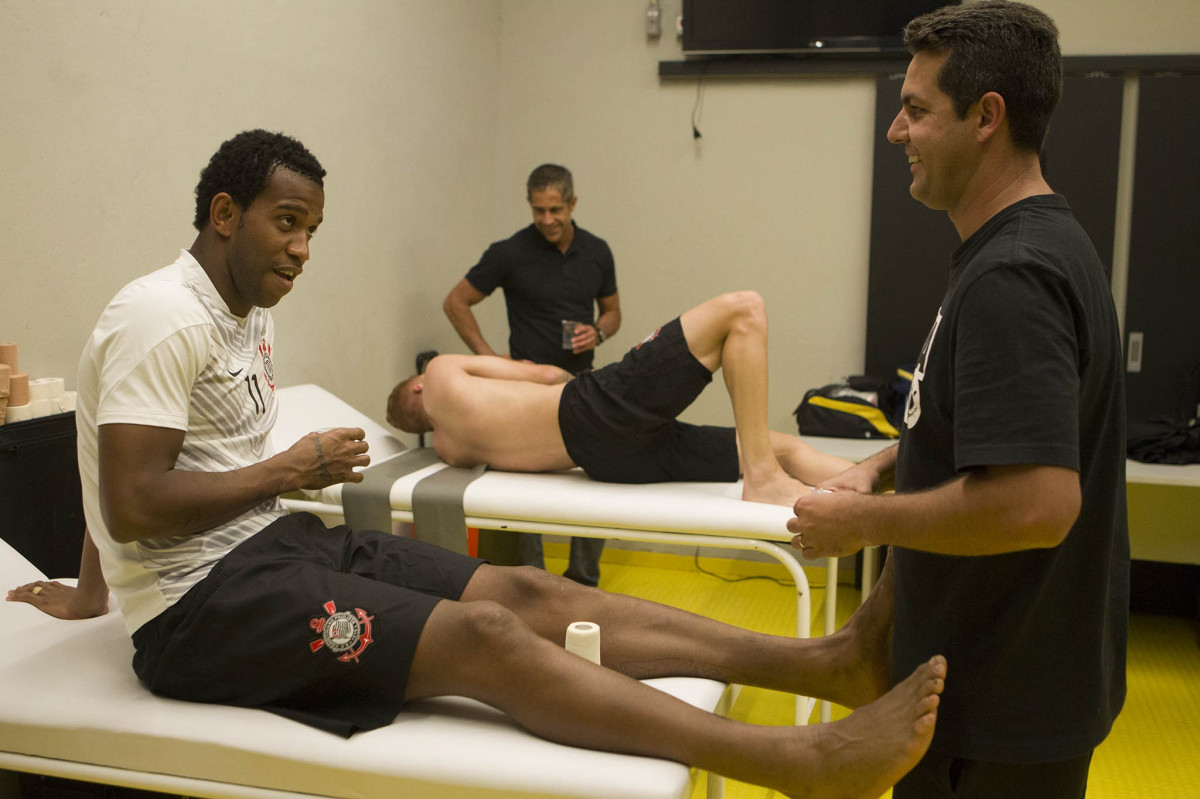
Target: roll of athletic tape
x=47, y=406
x=8, y=355
x=18, y=413
x=583, y=639
x=5, y=378
x=66, y=403
x=46, y=388
x=18, y=389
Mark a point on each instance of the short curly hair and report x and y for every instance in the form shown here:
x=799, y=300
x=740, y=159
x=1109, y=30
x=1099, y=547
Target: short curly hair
x=243, y=165
x=996, y=46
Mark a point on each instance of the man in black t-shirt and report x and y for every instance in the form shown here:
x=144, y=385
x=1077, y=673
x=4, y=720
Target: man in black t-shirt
x=552, y=272
x=1008, y=522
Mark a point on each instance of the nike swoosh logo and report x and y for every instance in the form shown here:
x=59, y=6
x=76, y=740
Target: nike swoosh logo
x=238, y=372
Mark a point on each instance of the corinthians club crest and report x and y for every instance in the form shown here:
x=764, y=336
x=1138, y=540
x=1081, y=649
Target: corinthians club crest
x=346, y=633
x=264, y=349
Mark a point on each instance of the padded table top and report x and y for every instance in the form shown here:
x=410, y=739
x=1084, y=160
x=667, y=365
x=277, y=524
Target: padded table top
x=560, y=498
x=69, y=699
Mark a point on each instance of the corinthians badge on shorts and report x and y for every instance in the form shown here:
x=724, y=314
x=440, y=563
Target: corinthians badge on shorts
x=346, y=634
x=648, y=338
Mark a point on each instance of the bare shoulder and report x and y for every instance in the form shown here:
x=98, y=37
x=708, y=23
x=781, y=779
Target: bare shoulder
x=448, y=363
x=447, y=373
x=490, y=367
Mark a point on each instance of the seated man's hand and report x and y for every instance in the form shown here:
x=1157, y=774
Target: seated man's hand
x=331, y=456
x=58, y=600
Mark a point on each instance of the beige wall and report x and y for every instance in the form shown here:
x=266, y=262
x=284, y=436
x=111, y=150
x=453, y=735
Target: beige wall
x=773, y=197
x=110, y=110
x=428, y=115
x=776, y=194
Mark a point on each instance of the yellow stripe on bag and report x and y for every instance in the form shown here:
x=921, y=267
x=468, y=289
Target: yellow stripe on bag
x=871, y=414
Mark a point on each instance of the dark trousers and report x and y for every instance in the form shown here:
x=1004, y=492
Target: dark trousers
x=938, y=776
x=583, y=566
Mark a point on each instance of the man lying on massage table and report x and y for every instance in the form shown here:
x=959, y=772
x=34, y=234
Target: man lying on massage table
x=619, y=423
x=231, y=600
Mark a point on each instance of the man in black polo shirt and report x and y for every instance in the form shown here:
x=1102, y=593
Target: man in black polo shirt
x=551, y=271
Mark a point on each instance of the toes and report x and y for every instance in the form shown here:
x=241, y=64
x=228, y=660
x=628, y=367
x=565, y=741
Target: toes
x=925, y=724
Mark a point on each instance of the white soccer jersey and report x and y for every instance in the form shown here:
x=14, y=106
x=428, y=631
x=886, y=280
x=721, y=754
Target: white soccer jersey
x=167, y=352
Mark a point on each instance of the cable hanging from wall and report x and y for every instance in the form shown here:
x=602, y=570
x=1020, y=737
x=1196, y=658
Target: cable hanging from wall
x=698, y=105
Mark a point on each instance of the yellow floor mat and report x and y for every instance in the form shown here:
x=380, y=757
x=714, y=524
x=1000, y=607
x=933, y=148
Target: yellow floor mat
x=1152, y=753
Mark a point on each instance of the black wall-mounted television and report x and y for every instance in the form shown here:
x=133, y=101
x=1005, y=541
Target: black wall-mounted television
x=798, y=26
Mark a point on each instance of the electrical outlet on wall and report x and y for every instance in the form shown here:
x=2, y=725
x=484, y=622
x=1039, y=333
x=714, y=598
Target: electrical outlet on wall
x=1133, y=361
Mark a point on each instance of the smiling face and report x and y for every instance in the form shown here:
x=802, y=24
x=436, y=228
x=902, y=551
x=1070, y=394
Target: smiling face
x=943, y=153
x=552, y=215
x=268, y=242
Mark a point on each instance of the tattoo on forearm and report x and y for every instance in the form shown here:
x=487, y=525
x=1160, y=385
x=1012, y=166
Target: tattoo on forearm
x=325, y=475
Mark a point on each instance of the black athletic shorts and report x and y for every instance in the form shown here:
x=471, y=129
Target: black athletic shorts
x=317, y=624
x=619, y=425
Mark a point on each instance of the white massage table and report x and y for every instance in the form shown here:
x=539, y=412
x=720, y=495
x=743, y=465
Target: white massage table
x=71, y=707
x=570, y=504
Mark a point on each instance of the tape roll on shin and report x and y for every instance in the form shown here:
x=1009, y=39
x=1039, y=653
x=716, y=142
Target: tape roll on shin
x=583, y=639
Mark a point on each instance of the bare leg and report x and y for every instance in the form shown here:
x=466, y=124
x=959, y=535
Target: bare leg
x=570, y=700
x=729, y=332
x=805, y=463
x=645, y=639
x=867, y=660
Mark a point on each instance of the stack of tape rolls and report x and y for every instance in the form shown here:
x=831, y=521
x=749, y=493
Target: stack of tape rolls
x=29, y=399
x=5, y=381
x=583, y=639
x=14, y=386
x=19, y=407
x=46, y=395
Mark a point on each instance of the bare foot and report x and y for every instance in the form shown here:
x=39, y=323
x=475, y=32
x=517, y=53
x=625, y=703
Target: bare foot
x=804, y=462
x=861, y=661
x=779, y=488
x=864, y=754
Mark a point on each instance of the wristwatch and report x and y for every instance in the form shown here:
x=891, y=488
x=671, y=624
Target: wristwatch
x=600, y=335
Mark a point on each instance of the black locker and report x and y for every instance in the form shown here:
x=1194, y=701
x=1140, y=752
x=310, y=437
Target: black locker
x=1164, y=268
x=911, y=245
